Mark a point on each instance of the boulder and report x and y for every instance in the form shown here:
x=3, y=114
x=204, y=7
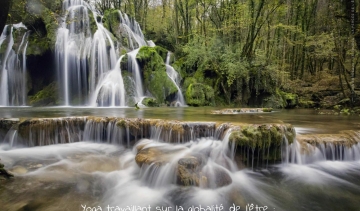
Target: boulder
x=3, y=173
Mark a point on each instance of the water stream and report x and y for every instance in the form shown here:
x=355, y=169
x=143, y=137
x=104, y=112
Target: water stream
x=175, y=78
x=94, y=163
x=13, y=86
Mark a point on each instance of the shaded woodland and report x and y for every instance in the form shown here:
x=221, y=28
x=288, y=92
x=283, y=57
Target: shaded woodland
x=257, y=50
x=279, y=53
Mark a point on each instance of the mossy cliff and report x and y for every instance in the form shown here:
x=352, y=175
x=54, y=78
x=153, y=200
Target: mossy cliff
x=154, y=71
x=41, y=17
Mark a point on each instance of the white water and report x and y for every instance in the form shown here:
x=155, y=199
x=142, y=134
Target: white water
x=72, y=48
x=110, y=90
x=133, y=30
x=136, y=73
x=85, y=61
x=175, y=78
x=308, y=154
x=13, y=86
x=95, y=81
x=103, y=167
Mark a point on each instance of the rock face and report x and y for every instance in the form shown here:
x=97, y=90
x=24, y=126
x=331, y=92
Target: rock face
x=3, y=173
x=192, y=172
x=188, y=172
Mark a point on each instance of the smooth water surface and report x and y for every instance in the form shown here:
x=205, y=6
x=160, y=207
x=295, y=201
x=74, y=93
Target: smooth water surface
x=305, y=120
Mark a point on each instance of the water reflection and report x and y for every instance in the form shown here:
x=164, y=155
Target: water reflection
x=306, y=120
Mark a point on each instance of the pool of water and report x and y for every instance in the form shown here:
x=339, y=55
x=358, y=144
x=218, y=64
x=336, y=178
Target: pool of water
x=305, y=120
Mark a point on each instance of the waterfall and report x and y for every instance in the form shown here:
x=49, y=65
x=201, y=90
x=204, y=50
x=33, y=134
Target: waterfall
x=133, y=30
x=13, y=86
x=87, y=64
x=110, y=90
x=136, y=73
x=73, y=43
x=175, y=78
x=79, y=77
x=301, y=152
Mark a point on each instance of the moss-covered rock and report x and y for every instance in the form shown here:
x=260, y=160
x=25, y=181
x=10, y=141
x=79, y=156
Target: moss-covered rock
x=156, y=80
x=262, y=138
x=4, y=173
x=111, y=21
x=150, y=102
x=41, y=17
x=198, y=94
x=280, y=99
x=290, y=99
x=92, y=20
x=162, y=52
x=47, y=96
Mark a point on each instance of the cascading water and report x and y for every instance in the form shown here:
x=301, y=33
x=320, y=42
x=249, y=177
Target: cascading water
x=136, y=73
x=88, y=65
x=13, y=86
x=133, y=30
x=198, y=172
x=72, y=47
x=175, y=78
x=305, y=153
x=110, y=90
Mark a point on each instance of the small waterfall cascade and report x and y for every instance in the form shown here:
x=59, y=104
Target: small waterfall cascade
x=120, y=131
x=110, y=90
x=41, y=132
x=204, y=162
x=88, y=63
x=13, y=86
x=136, y=74
x=301, y=152
x=175, y=78
x=73, y=43
x=77, y=74
x=133, y=31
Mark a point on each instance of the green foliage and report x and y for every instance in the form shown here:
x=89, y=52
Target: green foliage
x=290, y=99
x=150, y=102
x=162, y=52
x=267, y=109
x=215, y=64
x=345, y=111
x=337, y=107
x=39, y=16
x=198, y=94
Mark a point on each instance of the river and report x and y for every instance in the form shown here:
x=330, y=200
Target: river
x=99, y=176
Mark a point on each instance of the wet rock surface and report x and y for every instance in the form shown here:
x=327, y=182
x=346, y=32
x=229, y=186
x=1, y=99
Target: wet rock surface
x=241, y=110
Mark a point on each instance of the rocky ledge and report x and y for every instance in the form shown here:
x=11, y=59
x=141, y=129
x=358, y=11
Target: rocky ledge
x=241, y=110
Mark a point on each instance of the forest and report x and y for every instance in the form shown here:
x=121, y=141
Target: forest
x=280, y=54
x=284, y=53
